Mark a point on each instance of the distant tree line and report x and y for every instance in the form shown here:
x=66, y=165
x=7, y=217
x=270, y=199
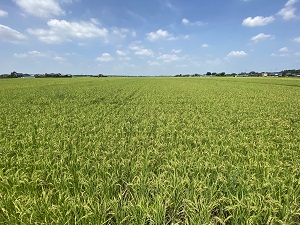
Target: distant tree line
x=52, y=75
x=290, y=73
x=14, y=74
x=284, y=73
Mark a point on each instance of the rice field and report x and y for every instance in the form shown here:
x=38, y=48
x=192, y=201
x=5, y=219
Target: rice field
x=150, y=151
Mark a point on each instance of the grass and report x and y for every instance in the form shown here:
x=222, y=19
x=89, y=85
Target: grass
x=150, y=151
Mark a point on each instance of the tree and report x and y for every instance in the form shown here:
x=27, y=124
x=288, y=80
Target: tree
x=208, y=74
x=13, y=74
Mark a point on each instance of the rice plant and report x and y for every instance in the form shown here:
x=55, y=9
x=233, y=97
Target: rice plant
x=150, y=151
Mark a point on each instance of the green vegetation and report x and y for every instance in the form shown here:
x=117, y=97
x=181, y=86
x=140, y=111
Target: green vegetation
x=150, y=151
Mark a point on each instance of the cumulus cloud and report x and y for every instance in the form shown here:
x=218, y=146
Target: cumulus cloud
x=40, y=8
x=176, y=50
x=30, y=54
x=283, y=52
x=135, y=46
x=59, y=58
x=62, y=30
x=79, y=30
x=160, y=35
x=144, y=51
x=139, y=49
x=257, y=21
x=69, y=1
x=185, y=21
x=105, y=57
x=8, y=34
x=38, y=55
x=291, y=3
x=289, y=10
x=3, y=13
x=237, y=54
x=168, y=57
x=297, y=39
x=122, y=32
x=188, y=23
x=47, y=36
x=120, y=53
x=261, y=37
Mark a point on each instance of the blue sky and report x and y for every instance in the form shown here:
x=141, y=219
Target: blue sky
x=157, y=37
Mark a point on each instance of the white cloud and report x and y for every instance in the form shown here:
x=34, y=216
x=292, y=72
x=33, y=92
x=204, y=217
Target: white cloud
x=237, y=54
x=160, y=34
x=59, y=58
x=287, y=13
x=187, y=22
x=47, y=36
x=3, y=13
x=69, y=1
x=79, y=30
x=291, y=3
x=8, y=34
x=289, y=10
x=139, y=49
x=105, y=57
x=284, y=49
x=261, y=37
x=122, y=32
x=205, y=46
x=297, y=39
x=135, y=46
x=120, y=53
x=168, y=57
x=186, y=37
x=283, y=52
x=279, y=55
x=38, y=55
x=176, y=50
x=31, y=54
x=62, y=30
x=40, y=8
x=144, y=51
x=257, y=21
